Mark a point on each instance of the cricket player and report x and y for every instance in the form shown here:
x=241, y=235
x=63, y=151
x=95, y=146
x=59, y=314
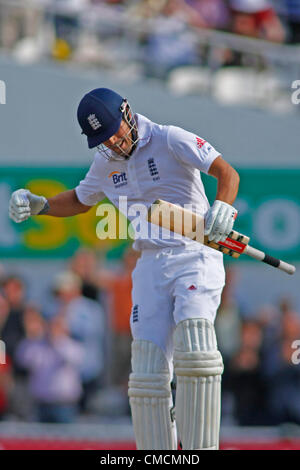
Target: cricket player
x=177, y=282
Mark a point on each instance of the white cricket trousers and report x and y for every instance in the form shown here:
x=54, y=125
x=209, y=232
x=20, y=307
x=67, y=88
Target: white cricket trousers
x=171, y=285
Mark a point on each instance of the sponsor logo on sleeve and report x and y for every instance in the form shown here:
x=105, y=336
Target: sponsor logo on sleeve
x=200, y=142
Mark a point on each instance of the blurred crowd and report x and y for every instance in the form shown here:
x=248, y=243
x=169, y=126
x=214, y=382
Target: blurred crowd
x=62, y=354
x=68, y=359
x=260, y=350
x=194, y=46
x=162, y=33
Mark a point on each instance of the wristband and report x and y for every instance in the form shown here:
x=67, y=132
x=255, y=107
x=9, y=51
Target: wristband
x=45, y=209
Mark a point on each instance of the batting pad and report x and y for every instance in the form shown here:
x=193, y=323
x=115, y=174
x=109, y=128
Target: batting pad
x=198, y=366
x=150, y=398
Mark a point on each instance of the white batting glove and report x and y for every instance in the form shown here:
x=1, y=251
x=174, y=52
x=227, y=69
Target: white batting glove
x=219, y=221
x=23, y=204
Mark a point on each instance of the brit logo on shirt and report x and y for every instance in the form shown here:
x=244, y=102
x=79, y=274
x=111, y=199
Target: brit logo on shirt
x=153, y=169
x=119, y=178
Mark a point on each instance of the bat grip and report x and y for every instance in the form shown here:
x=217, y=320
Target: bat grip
x=275, y=262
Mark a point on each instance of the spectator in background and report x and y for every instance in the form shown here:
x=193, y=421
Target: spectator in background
x=21, y=403
x=170, y=43
x=34, y=323
x=283, y=377
x=284, y=386
x=17, y=22
x=11, y=322
x=245, y=380
x=84, y=265
x=6, y=384
x=53, y=360
x=118, y=286
x=86, y=322
x=269, y=318
x=66, y=26
x=281, y=324
x=4, y=312
x=12, y=308
x=213, y=14
x=290, y=320
x=289, y=12
x=256, y=18
x=6, y=379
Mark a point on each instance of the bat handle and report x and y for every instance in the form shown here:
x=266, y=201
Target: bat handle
x=276, y=263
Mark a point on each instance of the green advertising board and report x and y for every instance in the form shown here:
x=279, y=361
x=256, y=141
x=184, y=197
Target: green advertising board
x=268, y=204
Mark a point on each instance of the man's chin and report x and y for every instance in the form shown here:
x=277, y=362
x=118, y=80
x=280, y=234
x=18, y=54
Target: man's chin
x=119, y=156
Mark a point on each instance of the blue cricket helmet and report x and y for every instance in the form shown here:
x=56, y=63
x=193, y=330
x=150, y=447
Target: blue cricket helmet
x=100, y=114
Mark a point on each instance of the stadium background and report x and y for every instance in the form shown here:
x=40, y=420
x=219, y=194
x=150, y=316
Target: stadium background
x=51, y=54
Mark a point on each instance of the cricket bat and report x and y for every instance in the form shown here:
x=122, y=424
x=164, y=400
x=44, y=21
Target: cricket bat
x=191, y=225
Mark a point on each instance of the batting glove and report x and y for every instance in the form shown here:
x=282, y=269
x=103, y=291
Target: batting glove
x=219, y=221
x=23, y=204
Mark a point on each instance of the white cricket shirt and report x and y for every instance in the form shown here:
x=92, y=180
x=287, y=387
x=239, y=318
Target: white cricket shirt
x=165, y=165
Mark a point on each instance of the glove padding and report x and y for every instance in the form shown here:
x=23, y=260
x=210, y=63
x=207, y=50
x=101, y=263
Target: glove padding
x=23, y=204
x=219, y=221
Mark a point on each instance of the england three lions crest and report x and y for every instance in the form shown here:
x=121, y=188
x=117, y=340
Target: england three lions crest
x=94, y=122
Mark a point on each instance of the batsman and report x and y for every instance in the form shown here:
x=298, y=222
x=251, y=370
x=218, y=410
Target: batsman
x=177, y=282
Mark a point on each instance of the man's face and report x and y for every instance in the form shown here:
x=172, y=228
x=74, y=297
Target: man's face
x=121, y=141
x=14, y=291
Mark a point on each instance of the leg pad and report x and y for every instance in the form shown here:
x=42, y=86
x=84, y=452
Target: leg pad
x=198, y=366
x=150, y=398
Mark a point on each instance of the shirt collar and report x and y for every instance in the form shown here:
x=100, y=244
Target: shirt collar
x=144, y=130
